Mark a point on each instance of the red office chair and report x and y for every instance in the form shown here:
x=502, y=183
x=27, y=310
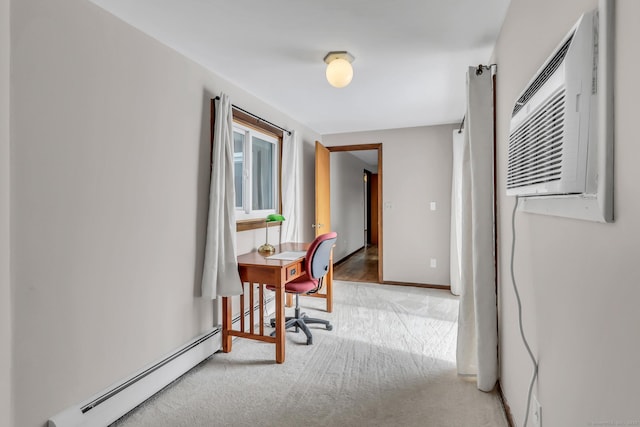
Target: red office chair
x=317, y=262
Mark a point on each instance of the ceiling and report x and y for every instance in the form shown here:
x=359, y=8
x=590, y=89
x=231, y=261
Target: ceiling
x=411, y=56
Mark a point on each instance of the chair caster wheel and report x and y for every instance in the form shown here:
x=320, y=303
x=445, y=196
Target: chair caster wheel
x=329, y=327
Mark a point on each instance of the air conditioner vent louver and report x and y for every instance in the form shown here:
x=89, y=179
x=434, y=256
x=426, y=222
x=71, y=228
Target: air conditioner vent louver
x=536, y=147
x=551, y=125
x=560, y=140
x=544, y=75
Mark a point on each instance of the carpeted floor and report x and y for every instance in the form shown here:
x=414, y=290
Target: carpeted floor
x=389, y=361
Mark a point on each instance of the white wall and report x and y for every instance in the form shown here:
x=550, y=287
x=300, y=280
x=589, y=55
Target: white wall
x=347, y=202
x=5, y=279
x=578, y=280
x=109, y=183
x=416, y=170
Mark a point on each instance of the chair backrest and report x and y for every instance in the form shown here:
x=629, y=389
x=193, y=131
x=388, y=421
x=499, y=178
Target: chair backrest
x=318, y=256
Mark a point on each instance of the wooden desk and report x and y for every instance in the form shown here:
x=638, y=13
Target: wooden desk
x=255, y=268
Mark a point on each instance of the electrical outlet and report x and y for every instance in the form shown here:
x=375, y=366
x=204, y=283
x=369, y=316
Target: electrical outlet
x=434, y=263
x=536, y=412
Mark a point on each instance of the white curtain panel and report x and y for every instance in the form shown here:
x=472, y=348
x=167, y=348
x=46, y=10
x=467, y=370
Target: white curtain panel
x=477, y=351
x=291, y=186
x=456, y=211
x=220, y=275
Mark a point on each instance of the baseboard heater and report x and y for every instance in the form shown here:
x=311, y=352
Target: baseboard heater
x=109, y=405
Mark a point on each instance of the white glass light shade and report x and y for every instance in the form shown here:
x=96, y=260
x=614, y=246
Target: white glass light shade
x=339, y=72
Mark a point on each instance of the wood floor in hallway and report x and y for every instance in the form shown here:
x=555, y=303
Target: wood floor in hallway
x=361, y=266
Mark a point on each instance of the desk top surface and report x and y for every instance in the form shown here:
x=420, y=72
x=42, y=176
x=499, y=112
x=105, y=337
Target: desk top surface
x=256, y=258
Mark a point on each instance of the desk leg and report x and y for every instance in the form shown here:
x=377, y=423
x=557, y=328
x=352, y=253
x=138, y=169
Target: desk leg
x=280, y=331
x=226, y=324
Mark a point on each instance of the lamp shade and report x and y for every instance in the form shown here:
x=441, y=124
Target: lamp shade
x=274, y=217
x=339, y=70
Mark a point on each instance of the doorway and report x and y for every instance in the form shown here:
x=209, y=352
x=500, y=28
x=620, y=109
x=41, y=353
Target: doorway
x=365, y=264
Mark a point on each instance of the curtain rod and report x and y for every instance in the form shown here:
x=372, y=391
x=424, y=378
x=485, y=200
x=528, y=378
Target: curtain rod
x=258, y=117
x=481, y=67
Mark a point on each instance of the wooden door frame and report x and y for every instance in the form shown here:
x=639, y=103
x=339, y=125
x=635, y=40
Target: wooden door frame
x=363, y=147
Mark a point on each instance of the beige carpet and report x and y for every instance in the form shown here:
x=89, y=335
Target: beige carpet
x=389, y=361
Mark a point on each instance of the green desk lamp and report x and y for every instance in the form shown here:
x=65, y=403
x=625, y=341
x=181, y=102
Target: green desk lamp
x=268, y=249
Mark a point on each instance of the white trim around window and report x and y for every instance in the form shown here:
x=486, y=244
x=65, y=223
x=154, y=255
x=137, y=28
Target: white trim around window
x=256, y=156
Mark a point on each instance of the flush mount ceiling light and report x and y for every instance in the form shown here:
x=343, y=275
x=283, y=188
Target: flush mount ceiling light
x=339, y=69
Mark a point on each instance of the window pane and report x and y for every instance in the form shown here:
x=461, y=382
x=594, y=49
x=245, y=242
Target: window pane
x=262, y=153
x=238, y=165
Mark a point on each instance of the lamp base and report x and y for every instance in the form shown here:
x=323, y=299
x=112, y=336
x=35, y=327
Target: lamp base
x=266, y=249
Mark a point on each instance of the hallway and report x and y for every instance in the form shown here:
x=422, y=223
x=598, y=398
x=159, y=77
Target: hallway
x=361, y=266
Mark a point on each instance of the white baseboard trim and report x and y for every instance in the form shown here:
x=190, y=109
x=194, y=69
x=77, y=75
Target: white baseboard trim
x=107, y=406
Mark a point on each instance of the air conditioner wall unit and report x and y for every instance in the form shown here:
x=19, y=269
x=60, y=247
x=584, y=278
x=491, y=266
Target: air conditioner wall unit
x=550, y=125
x=560, y=154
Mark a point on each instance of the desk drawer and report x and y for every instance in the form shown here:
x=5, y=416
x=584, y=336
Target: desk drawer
x=294, y=271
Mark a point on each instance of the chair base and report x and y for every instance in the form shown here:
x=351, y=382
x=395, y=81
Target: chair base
x=300, y=321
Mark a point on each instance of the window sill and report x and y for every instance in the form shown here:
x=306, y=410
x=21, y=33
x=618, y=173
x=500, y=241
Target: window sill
x=254, y=224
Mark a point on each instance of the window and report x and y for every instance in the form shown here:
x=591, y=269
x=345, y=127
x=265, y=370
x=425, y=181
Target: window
x=255, y=158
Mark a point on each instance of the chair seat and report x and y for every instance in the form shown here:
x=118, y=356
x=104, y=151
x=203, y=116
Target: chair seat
x=301, y=285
